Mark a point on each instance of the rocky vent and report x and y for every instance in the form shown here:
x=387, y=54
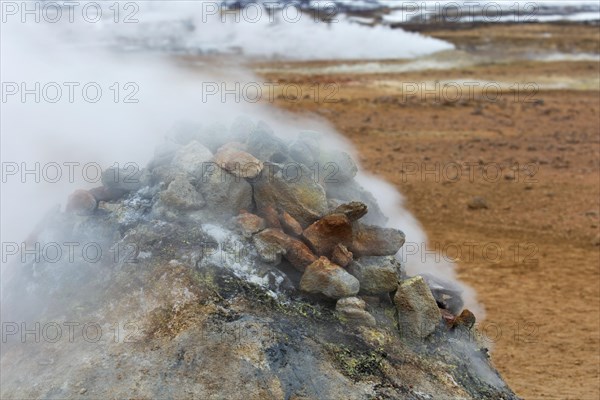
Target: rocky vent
x=229, y=228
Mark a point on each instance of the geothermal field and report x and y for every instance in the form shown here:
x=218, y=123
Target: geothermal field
x=349, y=199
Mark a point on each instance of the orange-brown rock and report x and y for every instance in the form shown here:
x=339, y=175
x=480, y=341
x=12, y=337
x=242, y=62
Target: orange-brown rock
x=353, y=210
x=81, y=202
x=271, y=243
x=370, y=240
x=249, y=224
x=270, y=215
x=299, y=255
x=466, y=319
x=325, y=234
x=342, y=256
x=290, y=225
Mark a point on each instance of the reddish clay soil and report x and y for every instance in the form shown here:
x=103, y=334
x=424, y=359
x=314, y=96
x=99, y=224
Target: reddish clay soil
x=542, y=293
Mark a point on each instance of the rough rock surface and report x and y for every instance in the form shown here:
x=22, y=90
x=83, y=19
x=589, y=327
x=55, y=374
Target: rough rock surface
x=328, y=279
x=249, y=224
x=238, y=162
x=182, y=195
x=352, y=191
x=325, y=234
x=418, y=313
x=193, y=306
x=353, y=310
x=290, y=224
x=354, y=210
x=376, y=274
x=342, y=256
x=127, y=179
x=271, y=244
x=369, y=240
x=292, y=190
x=194, y=159
x=225, y=194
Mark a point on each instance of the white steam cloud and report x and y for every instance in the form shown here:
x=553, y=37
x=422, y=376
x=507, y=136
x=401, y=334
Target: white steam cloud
x=112, y=130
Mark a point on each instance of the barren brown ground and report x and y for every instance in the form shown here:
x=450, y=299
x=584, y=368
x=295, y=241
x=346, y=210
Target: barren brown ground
x=542, y=294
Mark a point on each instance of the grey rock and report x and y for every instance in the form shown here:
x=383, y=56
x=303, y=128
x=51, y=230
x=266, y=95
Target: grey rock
x=337, y=167
x=264, y=145
x=353, y=310
x=194, y=159
x=225, y=194
x=376, y=274
x=129, y=178
x=478, y=203
x=305, y=149
x=324, y=277
x=182, y=195
x=418, y=313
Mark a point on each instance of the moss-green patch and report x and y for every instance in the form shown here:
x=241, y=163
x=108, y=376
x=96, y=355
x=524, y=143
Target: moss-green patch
x=357, y=364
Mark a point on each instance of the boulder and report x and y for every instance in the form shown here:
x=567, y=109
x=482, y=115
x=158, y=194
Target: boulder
x=181, y=195
x=337, y=167
x=81, y=202
x=354, y=210
x=164, y=153
x=271, y=244
x=128, y=179
x=290, y=225
x=369, y=240
x=353, y=310
x=271, y=217
x=193, y=159
x=329, y=231
x=305, y=149
x=324, y=277
x=264, y=145
x=238, y=162
x=376, y=275
x=342, y=256
x=225, y=194
x=418, y=313
x=349, y=191
x=292, y=190
x=299, y=255
x=249, y=224
x=103, y=193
